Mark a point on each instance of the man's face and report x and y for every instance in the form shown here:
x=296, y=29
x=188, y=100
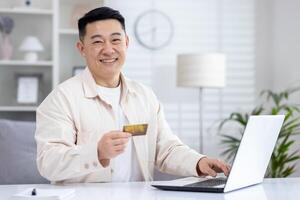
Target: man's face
x=104, y=49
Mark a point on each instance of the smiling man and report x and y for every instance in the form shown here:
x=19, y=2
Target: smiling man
x=79, y=131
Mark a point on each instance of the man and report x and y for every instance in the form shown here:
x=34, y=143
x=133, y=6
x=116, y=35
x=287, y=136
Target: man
x=78, y=134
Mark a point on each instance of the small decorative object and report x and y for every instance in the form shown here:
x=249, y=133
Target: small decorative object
x=31, y=46
x=77, y=70
x=28, y=87
x=6, y=27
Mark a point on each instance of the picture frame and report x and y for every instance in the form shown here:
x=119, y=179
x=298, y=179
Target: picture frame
x=77, y=70
x=28, y=88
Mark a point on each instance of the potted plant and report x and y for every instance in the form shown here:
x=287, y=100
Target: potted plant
x=283, y=160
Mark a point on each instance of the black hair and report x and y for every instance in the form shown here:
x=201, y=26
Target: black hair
x=96, y=14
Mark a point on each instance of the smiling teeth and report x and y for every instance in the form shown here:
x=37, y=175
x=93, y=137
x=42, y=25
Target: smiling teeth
x=108, y=60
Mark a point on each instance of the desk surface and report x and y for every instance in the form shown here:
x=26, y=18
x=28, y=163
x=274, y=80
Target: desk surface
x=288, y=188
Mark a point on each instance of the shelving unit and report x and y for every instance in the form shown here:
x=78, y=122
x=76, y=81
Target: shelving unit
x=22, y=63
x=18, y=108
x=69, y=31
x=31, y=11
x=54, y=22
x=68, y=12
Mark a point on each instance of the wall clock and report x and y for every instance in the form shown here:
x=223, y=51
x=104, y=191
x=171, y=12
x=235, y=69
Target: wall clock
x=153, y=29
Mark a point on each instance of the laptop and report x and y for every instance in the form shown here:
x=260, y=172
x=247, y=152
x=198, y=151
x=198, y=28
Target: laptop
x=250, y=162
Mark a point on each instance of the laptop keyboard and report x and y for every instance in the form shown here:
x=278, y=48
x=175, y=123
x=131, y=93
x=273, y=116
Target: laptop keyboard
x=208, y=183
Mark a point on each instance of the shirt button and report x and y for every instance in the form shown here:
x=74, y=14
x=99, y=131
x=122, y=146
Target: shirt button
x=95, y=164
x=86, y=166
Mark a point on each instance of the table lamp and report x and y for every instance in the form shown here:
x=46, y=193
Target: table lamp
x=201, y=71
x=31, y=46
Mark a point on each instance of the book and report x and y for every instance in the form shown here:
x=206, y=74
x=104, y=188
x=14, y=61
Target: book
x=44, y=194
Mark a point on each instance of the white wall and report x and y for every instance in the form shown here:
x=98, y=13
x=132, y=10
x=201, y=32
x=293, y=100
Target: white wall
x=286, y=43
x=277, y=45
x=286, y=48
x=278, y=48
x=264, y=70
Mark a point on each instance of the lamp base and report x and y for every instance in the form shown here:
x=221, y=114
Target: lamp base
x=31, y=57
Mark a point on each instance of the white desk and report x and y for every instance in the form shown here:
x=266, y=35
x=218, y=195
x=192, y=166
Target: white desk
x=273, y=189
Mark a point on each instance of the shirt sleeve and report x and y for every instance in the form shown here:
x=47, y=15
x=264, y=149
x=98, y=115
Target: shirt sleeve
x=58, y=156
x=172, y=156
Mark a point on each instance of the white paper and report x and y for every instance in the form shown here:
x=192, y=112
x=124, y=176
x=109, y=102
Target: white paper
x=45, y=194
x=27, y=89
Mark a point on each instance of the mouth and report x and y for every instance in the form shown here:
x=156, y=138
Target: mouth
x=111, y=60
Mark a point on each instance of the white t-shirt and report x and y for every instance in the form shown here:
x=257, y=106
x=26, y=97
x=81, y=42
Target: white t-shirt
x=125, y=166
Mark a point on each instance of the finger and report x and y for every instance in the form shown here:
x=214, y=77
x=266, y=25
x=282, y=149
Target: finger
x=218, y=165
x=119, y=141
x=225, y=167
x=209, y=171
x=225, y=170
x=222, y=167
x=120, y=151
x=119, y=147
x=229, y=169
x=119, y=134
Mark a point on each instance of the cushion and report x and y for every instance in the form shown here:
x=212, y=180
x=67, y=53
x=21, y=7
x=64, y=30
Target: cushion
x=18, y=153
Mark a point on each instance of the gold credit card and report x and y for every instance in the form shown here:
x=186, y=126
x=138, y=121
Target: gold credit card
x=136, y=129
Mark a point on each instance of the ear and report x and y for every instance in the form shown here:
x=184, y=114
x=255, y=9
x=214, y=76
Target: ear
x=80, y=47
x=127, y=41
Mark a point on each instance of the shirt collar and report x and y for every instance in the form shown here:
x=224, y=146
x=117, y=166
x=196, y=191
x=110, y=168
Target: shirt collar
x=90, y=86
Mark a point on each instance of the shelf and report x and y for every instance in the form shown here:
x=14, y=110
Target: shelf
x=53, y=22
x=33, y=11
x=70, y=31
x=18, y=108
x=24, y=63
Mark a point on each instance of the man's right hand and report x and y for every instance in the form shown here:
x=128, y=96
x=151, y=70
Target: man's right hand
x=110, y=145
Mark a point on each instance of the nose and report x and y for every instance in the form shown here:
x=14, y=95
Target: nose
x=108, y=48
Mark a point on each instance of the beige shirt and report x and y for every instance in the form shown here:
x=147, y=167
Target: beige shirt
x=125, y=165
x=73, y=118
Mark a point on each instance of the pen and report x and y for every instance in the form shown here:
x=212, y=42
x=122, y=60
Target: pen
x=33, y=192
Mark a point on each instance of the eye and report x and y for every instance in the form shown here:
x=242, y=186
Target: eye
x=97, y=42
x=116, y=40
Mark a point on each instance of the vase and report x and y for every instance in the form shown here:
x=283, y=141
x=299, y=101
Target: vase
x=6, y=47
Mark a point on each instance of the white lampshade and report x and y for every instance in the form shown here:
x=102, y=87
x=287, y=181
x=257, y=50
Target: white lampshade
x=31, y=43
x=201, y=70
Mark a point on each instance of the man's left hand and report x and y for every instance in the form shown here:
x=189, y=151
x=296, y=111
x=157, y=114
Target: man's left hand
x=210, y=167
